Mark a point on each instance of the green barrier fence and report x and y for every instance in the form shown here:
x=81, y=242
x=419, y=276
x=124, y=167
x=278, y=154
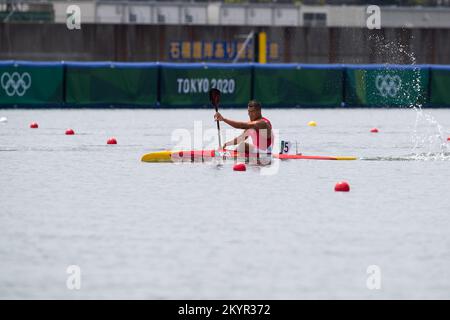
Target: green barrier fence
x=440, y=86
x=75, y=84
x=187, y=85
x=31, y=83
x=113, y=84
x=386, y=85
x=293, y=85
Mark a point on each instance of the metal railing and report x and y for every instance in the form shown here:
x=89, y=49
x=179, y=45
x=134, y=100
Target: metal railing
x=196, y=12
x=11, y=3
x=434, y=3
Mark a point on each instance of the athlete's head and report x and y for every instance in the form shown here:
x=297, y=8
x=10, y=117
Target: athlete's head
x=254, y=110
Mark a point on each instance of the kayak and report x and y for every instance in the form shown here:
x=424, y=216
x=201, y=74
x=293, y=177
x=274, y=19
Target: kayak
x=206, y=155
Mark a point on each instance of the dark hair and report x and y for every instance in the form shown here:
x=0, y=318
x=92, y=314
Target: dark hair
x=254, y=104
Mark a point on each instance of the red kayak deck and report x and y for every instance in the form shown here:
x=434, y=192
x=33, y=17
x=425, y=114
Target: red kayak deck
x=205, y=155
x=232, y=154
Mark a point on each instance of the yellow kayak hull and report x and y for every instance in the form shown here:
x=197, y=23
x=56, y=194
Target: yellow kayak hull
x=160, y=156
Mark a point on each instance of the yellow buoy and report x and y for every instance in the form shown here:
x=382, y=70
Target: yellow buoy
x=312, y=124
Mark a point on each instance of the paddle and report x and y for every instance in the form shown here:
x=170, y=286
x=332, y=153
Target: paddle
x=214, y=98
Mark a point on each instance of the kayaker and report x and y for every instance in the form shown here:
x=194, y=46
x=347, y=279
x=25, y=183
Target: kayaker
x=258, y=128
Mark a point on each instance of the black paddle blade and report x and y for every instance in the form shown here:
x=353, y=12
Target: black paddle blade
x=214, y=96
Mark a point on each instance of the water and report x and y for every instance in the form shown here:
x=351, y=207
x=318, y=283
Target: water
x=198, y=231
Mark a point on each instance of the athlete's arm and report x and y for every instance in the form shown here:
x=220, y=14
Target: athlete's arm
x=237, y=140
x=258, y=124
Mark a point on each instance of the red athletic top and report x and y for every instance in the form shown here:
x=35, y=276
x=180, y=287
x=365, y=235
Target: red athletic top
x=257, y=136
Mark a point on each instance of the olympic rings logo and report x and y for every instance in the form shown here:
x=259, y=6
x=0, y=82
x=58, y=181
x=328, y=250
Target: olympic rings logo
x=388, y=85
x=15, y=84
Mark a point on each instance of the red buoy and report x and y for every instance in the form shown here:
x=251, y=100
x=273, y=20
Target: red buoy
x=342, y=186
x=34, y=125
x=239, y=167
x=374, y=130
x=448, y=139
x=111, y=141
x=70, y=132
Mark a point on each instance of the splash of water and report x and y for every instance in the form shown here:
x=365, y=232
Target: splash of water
x=433, y=138
x=413, y=157
x=428, y=137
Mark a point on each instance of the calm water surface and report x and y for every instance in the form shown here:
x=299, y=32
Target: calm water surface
x=199, y=231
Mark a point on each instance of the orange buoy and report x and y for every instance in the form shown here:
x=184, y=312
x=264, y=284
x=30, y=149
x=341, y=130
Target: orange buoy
x=342, y=186
x=239, y=167
x=374, y=130
x=70, y=132
x=111, y=141
x=34, y=125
